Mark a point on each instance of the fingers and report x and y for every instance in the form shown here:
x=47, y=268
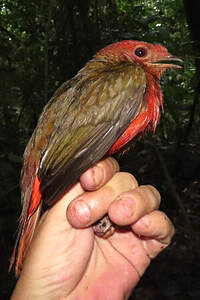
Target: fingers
x=91, y=206
x=99, y=174
x=134, y=204
x=138, y=208
x=156, y=231
x=92, y=179
x=155, y=225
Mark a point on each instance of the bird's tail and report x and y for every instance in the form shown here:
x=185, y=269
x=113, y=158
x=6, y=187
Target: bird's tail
x=28, y=222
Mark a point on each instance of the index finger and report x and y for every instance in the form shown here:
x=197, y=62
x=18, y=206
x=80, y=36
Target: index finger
x=99, y=174
x=89, y=207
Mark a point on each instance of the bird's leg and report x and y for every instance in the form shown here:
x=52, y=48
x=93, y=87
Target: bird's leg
x=104, y=227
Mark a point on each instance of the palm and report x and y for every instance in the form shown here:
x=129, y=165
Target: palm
x=78, y=261
x=101, y=266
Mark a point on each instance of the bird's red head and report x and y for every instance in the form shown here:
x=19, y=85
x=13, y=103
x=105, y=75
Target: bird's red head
x=153, y=58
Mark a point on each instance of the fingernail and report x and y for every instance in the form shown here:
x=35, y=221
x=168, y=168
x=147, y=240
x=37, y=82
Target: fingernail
x=81, y=212
x=126, y=206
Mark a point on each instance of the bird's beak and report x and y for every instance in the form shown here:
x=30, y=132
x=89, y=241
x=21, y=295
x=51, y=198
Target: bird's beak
x=169, y=62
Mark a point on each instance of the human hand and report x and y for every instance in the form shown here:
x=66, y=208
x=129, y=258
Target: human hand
x=67, y=260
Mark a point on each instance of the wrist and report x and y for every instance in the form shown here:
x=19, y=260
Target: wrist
x=29, y=290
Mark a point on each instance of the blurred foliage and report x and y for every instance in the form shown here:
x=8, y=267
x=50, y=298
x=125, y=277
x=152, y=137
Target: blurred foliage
x=44, y=43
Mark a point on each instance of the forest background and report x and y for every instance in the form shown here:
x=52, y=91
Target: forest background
x=44, y=43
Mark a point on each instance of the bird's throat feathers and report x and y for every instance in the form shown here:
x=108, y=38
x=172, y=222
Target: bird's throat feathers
x=154, y=100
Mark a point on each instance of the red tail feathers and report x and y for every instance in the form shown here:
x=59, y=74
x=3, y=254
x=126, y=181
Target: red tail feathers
x=28, y=222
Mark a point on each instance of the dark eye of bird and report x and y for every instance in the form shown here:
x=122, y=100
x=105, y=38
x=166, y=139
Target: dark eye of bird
x=141, y=52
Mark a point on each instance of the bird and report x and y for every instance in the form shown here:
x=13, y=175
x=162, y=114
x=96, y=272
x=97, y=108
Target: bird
x=113, y=99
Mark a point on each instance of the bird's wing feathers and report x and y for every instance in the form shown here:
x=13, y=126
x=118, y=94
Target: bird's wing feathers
x=78, y=126
x=84, y=138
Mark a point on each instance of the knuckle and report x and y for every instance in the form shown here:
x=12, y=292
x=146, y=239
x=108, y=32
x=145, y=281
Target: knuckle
x=169, y=225
x=114, y=164
x=155, y=192
x=129, y=178
x=122, y=182
x=168, y=229
x=108, y=165
x=111, y=164
x=152, y=194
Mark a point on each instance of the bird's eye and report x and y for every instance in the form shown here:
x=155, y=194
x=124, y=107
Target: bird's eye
x=141, y=52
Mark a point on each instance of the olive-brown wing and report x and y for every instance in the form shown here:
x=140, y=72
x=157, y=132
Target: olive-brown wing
x=72, y=150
